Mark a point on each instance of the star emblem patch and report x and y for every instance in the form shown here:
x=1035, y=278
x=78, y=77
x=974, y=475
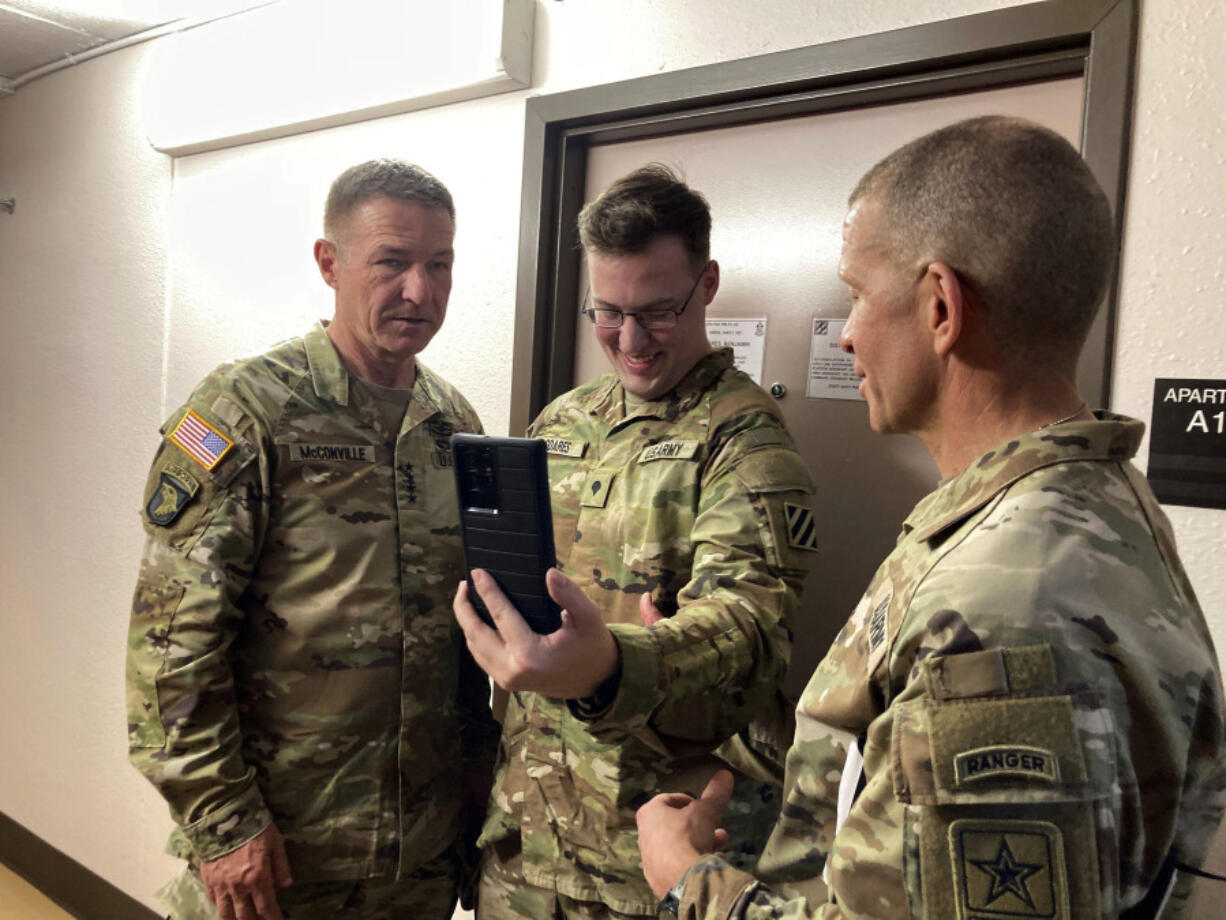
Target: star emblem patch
x=1008, y=869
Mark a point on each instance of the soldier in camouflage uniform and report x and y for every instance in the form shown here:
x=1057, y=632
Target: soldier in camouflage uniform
x=1024, y=715
x=297, y=689
x=676, y=491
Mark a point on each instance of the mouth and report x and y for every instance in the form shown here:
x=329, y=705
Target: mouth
x=639, y=363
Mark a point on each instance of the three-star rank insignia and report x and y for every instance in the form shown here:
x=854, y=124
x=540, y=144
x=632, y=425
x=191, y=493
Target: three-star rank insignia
x=1008, y=869
x=802, y=530
x=174, y=490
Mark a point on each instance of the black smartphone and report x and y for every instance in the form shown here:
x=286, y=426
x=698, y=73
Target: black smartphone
x=506, y=525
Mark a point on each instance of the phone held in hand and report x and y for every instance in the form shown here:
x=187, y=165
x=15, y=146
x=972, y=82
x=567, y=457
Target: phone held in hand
x=506, y=525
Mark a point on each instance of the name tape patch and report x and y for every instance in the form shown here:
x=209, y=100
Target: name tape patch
x=564, y=447
x=350, y=453
x=1006, y=760
x=200, y=440
x=669, y=450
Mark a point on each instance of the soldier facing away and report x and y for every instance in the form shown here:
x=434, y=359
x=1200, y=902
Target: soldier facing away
x=297, y=689
x=676, y=490
x=1023, y=717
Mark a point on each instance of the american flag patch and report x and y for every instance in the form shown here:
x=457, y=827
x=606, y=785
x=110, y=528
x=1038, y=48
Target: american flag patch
x=802, y=531
x=202, y=441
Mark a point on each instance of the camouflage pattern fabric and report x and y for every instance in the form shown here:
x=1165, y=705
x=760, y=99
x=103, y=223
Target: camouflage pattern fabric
x=1023, y=718
x=293, y=656
x=506, y=895
x=699, y=499
x=428, y=893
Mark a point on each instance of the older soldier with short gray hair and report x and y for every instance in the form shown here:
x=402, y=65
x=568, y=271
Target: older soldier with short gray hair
x=1024, y=715
x=297, y=689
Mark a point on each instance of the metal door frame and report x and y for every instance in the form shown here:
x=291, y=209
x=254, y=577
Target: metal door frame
x=1095, y=39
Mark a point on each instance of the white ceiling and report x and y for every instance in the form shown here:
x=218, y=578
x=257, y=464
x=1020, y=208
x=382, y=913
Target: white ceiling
x=34, y=34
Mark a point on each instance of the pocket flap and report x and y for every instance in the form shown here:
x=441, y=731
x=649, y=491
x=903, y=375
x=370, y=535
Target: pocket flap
x=988, y=750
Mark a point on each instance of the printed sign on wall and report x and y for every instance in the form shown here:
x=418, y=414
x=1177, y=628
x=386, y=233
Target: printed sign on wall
x=746, y=338
x=831, y=370
x=1187, y=442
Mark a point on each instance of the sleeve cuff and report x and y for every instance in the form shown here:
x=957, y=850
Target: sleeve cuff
x=712, y=889
x=636, y=691
x=225, y=829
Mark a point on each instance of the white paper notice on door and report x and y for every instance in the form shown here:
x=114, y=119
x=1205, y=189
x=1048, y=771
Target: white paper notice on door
x=746, y=338
x=831, y=373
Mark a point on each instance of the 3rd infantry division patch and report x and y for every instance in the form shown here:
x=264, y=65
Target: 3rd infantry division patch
x=802, y=531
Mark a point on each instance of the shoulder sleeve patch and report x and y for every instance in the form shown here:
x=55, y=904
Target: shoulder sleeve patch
x=174, y=489
x=802, y=529
x=200, y=440
x=1009, y=869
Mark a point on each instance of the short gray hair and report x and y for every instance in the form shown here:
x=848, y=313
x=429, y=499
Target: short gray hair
x=1013, y=208
x=382, y=178
x=648, y=203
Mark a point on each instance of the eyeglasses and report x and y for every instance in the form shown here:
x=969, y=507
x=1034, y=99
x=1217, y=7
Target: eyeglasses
x=608, y=318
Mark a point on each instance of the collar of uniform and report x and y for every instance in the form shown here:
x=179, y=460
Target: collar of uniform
x=1106, y=437
x=610, y=401
x=328, y=374
x=426, y=390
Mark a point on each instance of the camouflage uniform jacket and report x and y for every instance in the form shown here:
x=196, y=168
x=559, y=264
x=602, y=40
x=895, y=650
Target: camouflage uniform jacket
x=700, y=499
x=1022, y=718
x=293, y=656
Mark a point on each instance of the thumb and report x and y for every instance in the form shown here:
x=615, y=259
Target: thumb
x=718, y=791
x=570, y=597
x=649, y=611
x=281, y=876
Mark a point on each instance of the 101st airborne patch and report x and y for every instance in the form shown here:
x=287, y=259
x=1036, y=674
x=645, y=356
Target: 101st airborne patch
x=175, y=489
x=1008, y=869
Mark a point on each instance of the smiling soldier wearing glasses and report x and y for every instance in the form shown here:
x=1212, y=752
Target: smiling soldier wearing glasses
x=679, y=501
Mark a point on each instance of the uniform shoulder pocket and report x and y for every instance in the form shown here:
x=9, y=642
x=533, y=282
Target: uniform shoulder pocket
x=774, y=470
x=197, y=460
x=992, y=763
x=781, y=490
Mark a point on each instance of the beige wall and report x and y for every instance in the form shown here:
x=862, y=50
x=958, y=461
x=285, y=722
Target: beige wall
x=113, y=306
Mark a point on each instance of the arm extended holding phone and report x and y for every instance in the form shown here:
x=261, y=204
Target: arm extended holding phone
x=527, y=625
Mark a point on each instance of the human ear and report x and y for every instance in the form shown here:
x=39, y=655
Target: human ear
x=326, y=259
x=944, y=305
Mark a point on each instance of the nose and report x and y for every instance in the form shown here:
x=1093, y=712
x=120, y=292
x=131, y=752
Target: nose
x=631, y=336
x=415, y=285
x=845, y=337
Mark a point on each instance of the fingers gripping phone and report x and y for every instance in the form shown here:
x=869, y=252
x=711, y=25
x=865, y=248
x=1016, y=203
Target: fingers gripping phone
x=505, y=522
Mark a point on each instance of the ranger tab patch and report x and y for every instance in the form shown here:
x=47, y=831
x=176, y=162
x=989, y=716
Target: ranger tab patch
x=202, y=442
x=175, y=489
x=1008, y=869
x=802, y=530
x=1010, y=760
